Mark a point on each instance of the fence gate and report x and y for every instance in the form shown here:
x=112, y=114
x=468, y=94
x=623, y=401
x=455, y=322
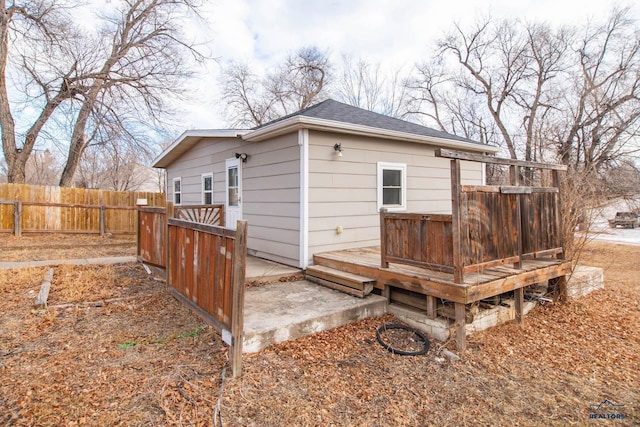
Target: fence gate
x=204, y=263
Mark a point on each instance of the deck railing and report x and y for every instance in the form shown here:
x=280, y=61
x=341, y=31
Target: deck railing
x=490, y=226
x=430, y=244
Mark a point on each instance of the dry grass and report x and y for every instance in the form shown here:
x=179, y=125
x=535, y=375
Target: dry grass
x=146, y=362
x=39, y=247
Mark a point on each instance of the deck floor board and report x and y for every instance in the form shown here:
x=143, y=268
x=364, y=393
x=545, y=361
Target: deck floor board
x=483, y=284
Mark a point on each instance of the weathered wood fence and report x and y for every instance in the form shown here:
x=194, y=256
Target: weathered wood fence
x=47, y=209
x=205, y=265
x=489, y=226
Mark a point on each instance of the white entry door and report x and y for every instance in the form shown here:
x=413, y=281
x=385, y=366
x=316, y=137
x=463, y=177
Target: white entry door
x=233, y=204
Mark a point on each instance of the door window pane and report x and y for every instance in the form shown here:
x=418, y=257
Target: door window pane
x=233, y=186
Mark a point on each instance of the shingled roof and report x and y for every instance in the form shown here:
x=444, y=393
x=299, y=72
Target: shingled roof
x=339, y=112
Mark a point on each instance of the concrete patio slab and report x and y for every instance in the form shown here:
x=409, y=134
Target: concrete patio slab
x=286, y=311
x=258, y=268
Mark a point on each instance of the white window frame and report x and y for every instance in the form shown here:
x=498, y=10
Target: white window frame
x=173, y=190
x=203, y=176
x=402, y=167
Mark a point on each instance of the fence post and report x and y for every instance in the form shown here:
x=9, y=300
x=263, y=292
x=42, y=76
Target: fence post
x=456, y=222
x=514, y=178
x=17, y=219
x=138, y=234
x=237, y=283
x=383, y=239
x=103, y=220
x=169, y=212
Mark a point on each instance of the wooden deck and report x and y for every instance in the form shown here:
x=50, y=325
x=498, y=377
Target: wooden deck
x=476, y=286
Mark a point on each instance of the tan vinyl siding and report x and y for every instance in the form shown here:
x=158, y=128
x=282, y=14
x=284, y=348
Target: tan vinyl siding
x=343, y=190
x=270, y=193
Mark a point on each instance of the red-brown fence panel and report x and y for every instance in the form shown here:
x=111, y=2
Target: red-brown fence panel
x=152, y=239
x=206, y=269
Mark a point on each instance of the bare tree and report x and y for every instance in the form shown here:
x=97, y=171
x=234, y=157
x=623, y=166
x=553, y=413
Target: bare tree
x=30, y=30
x=502, y=87
x=598, y=121
x=42, y=168
x=366, y=85
x=118, y=77
x=537, y=91
x=299, y=82
x=142, y=65
x=114, y=168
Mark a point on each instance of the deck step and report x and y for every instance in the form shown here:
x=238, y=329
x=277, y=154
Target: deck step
x=341, y=280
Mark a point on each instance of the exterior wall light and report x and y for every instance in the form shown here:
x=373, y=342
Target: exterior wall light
x=338, y=149
x=242, y=156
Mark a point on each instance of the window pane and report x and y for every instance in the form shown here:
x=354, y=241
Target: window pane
x=392, y=178
x=208, y=199
x=233, y=196
x=391, y=196
x=176, y=186
x=233, y=177
x=208, y=181
x=176, y=198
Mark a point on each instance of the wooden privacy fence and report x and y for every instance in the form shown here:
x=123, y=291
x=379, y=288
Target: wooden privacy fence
x=489, y=226
x=47, y=209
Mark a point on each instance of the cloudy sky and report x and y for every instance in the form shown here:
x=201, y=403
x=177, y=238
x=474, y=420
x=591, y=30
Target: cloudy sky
x=396, y=33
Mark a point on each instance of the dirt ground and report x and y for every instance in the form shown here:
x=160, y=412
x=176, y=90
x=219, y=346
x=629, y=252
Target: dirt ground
x=140, y=358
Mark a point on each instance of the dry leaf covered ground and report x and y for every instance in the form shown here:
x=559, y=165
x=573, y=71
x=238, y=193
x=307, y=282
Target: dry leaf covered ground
x=140, y=358
x=40, y=247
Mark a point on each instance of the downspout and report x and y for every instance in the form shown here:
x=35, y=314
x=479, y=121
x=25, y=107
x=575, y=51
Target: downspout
x=303, y=142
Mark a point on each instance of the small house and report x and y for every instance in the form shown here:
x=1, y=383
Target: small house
x=316, y=180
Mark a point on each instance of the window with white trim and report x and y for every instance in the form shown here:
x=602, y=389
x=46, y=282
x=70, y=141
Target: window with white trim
x=177, y=191
x=207, y=189
x=392, y=186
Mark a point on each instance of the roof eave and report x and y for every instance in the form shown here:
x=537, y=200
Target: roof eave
x=188, y=139
x=302, y=122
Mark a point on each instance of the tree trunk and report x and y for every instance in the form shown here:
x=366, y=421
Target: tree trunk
x=78, y=138
x=15, y=162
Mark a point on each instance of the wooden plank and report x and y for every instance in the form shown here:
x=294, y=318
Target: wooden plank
x=509, y=283
x=456, y=220
x=514, y=173
x=416, y=301
x=480, y=188
x=515, y=189
x=17, y=221
x=519, y=305
x=346, y=289
x=461, y=333
x=460, y=155
x=421, y=264
x=422, y=283
x=43, y=295
x=432, y=305
x=383, y=239
x=342, y=277
x=211, y=229
x=237, y=283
